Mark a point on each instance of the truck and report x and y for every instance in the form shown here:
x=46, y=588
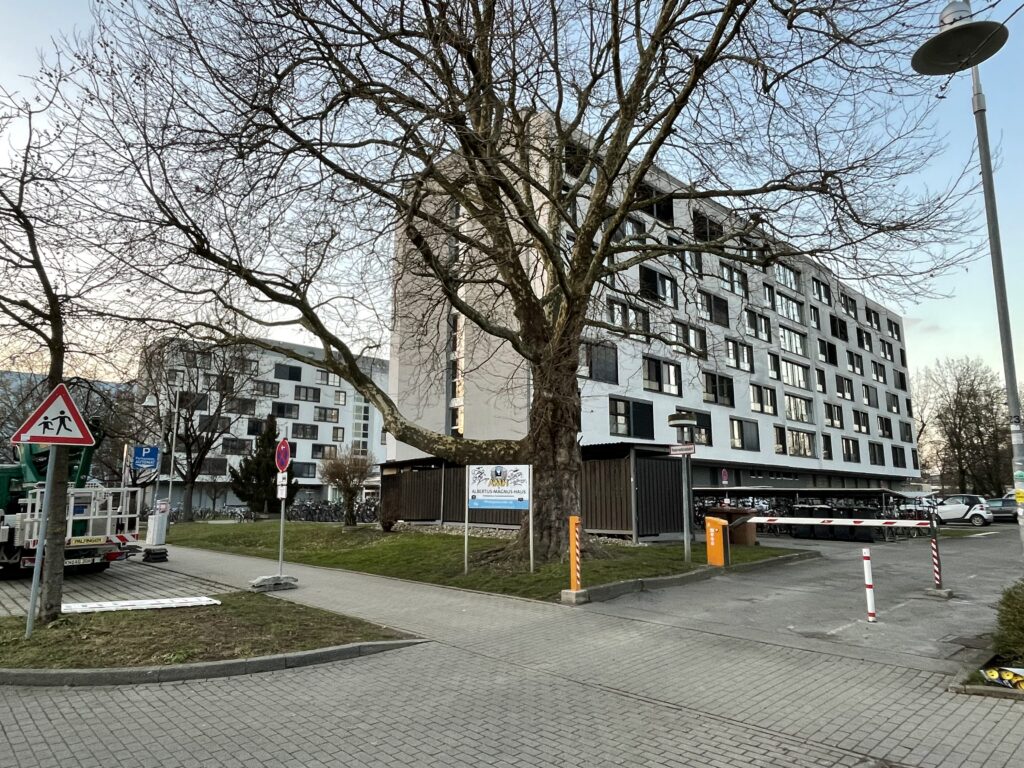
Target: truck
x=102, y=523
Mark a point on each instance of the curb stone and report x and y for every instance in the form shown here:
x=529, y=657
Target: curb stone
x=603, y=592
x=201, y=670
x=974, y=662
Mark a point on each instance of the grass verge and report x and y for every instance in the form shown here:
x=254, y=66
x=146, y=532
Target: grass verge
x=244, y=624
x=437, y=558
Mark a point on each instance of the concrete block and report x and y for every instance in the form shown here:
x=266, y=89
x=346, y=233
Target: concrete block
x=943, y=594
x=577, y=597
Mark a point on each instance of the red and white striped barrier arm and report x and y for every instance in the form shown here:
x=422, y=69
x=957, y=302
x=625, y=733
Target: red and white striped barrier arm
x=839, y=521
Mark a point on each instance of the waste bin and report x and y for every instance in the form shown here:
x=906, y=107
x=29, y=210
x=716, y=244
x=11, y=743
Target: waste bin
x=742, y=535
x=156, y=530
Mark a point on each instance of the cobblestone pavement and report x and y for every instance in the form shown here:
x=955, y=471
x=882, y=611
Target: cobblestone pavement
x=128, y=580
x=513, y=682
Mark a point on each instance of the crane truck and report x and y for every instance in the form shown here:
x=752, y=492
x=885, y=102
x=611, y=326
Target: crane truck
x=102, y=523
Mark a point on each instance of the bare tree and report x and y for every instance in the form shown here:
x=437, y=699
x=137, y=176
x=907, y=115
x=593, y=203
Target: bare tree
x=347, y=472
x=966, y=437
x=212, y=389
x=294, y=162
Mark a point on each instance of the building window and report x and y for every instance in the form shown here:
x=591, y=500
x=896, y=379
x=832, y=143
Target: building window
x=903, y=357
x=838, y=328
x=885, y=427
x=599, y=362
x=331, y=379
x=795, y=375
x=214, y=467
x=872, y=318
x=851, y=449
x=864, y=340
x=246, y=406
x=815, y=318
x=326, y=414
x=734, y=279
x=340, y=397
x=763, y=400
x=712, y=308
x=870, y=396
x=266, y=388
x=692, y=262
x=287, y=372
x=655, y=286
x=844, y=387
x=774, y=366
x=324, y=451
x=826, y=447
x=799, y=409
x=878, y=372
x=338, y=435
x=630, y=418
x=693, y=339
x=886, y=350
x=627, y=317
x=661, y=376
x=833, y=416
x=769, y=295
x=899, y=457
x=194, y=359
x=701, y=432
x=910, y=408
x=739, y=355
x=821, y=291
x=235, y=446
x=906, y=432
x=800, y=443
x=759, y=326
x=718, y=389
x=743, y=435
x=819, y=375
x=786, y=276
x=284, y=410
x=780, y=440
x=303, y=469
x=791, y=309
x=254, y=427
x=900, y=380
x=307, y=394
x=855, y=363
x=876, y=454
x=827, y=352
x=793, y=342
x=861, y=423
x=305, y=431
x=706, y=228
x=892, y=402
x=913, y=458
x=894, y=330
x=848, y=305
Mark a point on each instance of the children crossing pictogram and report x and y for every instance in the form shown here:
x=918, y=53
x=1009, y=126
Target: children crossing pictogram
x=56, y=421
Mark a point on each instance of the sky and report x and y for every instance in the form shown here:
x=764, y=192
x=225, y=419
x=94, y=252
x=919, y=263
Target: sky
x=961, y=323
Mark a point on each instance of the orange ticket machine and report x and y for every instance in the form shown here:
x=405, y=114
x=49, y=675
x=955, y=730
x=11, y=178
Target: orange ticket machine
x=717, y=537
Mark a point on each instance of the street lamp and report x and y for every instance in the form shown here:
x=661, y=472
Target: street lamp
x=686, y=421
x=964, y=43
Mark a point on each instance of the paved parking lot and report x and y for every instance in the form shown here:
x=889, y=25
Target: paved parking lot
x=127, y=580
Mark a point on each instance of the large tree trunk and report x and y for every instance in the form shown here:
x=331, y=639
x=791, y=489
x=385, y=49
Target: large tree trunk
x=186, y=501
x=348, y=497
x=56, y=528
x=554, y=453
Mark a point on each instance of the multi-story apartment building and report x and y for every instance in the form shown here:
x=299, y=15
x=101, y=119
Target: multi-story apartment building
x=227, y=396
x=795, y=377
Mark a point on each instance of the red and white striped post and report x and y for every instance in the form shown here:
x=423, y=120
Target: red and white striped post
x=869, y=585
x=936, y=562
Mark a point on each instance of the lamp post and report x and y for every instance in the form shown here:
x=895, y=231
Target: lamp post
x=152, y=402
x=963, y=43
x=686, y=421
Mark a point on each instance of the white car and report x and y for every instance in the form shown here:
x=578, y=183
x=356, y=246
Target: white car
x=957, y=508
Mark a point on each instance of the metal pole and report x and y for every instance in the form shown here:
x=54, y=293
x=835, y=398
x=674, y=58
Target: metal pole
x=465, y=530
x=174, y=444
x=530, y=512
x=37, y=566
x=684, y=471
x=869, y=586
x=1002, y=310
x=280, y=540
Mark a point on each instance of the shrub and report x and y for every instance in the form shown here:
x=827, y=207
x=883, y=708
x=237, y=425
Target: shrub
x=1009, y=637
x=388, y=516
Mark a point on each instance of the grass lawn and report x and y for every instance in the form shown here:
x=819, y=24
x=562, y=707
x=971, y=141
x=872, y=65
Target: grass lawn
x=437, y=558
x=245, y=624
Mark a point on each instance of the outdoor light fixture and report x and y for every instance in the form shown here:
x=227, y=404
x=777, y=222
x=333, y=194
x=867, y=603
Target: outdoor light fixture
x=686, y=421
x=961, y=44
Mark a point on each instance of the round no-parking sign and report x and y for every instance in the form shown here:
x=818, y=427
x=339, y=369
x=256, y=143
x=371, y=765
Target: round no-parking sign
x=283, y=456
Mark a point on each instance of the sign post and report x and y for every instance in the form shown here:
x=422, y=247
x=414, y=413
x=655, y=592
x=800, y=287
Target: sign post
x=282, y=458
x=496, y=486
x=684, y=451
x=56, y=422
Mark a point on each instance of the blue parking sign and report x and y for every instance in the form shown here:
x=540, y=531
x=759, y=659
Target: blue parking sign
x=145, y=457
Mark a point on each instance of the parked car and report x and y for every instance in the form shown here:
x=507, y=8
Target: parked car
x=957, y=508
x=1004, y=508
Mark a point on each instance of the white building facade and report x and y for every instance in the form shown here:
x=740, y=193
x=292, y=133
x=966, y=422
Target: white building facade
x=319, y=414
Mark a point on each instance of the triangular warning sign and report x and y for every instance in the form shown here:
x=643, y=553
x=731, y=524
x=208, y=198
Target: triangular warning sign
x=56, y=422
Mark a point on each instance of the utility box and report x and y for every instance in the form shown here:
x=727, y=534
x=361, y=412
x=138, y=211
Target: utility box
x=717, y=536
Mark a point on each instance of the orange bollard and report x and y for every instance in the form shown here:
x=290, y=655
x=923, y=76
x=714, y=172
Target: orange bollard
x=575, y=577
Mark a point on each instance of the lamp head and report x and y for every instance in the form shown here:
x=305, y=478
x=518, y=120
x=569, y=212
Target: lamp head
x=682, y=419
x=960, y=44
